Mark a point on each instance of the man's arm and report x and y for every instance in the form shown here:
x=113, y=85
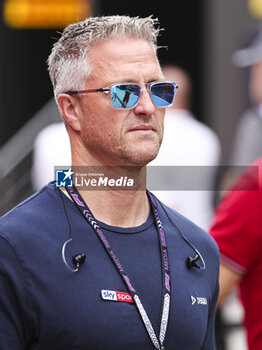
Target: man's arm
x=12, y=292
x=209, y=343
x=228, y=278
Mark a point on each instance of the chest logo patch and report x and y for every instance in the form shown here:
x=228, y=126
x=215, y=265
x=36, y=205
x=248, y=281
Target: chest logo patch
x=198, y=300
x=116, y=296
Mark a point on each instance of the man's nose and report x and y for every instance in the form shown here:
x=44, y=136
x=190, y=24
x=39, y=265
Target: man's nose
x=145, y=104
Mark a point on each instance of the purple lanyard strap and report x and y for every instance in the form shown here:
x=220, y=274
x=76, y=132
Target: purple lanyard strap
x=157, y=341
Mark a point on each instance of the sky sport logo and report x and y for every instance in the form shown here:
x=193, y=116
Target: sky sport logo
x=64, y=178
x=116, y=296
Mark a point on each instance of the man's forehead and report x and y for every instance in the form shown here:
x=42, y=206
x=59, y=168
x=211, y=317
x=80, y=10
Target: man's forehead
x=123, y=48
x=124, y=56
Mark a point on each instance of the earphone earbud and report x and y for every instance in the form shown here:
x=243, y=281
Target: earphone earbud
x=191, y=262
x=78, y=260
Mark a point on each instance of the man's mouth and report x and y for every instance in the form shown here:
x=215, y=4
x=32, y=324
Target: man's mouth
x=142, y=127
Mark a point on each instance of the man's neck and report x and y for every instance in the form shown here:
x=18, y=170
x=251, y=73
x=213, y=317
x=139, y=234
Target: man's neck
x=118, y=208
x=125, y=206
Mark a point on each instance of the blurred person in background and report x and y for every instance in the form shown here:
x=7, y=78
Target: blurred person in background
x=188, y=142
x=51, y=149
x=237, y=229
x=247, y=145
x=246, y=148
x=112, y=95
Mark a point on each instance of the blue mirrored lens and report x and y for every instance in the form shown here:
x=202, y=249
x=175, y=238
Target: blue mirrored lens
x=163, y=94
x=125, y=95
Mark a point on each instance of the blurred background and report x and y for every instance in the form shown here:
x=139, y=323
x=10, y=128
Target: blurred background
x=201, y=36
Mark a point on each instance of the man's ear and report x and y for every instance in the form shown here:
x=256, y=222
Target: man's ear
x=69, y=108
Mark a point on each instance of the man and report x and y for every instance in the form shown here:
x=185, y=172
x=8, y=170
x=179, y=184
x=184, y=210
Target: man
x=237, y=228
x=192, y=145
x=50, y=298
x=247, y=145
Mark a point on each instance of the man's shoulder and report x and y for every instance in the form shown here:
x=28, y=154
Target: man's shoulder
x=187, y=228
x=31, y=212
x=250, y=117
x=191, y=125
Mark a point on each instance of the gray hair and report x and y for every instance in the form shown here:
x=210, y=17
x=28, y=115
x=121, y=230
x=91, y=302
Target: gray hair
x=68, y=62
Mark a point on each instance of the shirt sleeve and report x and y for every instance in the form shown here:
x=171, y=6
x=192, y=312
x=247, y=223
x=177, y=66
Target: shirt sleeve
x=237, y=224
x=13, y=301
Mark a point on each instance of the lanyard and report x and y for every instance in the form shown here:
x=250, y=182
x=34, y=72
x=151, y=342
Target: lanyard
x=157, y=341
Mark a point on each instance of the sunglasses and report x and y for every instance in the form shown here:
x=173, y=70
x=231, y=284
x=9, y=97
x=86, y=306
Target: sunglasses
x=127, y=95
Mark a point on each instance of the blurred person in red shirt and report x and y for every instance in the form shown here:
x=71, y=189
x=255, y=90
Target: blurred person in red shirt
x=237, y=229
